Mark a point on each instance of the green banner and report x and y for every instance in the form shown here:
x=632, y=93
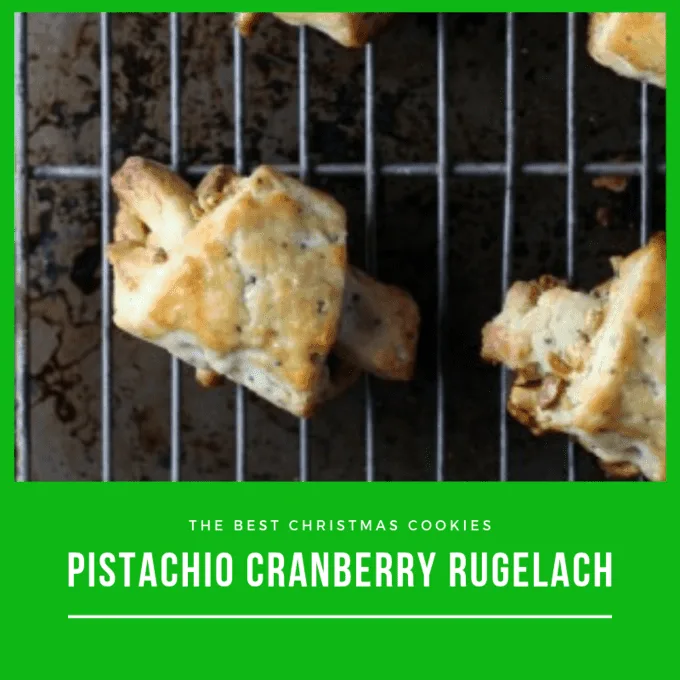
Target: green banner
x=330, y=579
x=449, y=570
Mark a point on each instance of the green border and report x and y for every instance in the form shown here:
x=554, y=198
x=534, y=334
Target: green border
x=43, y=521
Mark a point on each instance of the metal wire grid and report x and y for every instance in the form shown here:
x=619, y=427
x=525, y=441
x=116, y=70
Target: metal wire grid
x=442, y=170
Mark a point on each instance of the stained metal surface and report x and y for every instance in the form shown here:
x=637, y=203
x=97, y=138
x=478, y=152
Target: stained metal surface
x=411, y=146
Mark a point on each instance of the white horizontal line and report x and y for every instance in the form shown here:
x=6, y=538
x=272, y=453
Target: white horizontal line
x=340, y=616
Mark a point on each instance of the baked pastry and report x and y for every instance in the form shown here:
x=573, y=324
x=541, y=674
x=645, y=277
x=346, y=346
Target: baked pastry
x=378, y=328
x=592, y=365
x=350, y=29
x=633, y=44
x=244, y=278
x=379, y=323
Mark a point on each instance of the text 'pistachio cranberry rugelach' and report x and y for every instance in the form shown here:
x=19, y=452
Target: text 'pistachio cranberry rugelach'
x=632, y=44
x=246, y=278
x=349, y=29
x=592, y=365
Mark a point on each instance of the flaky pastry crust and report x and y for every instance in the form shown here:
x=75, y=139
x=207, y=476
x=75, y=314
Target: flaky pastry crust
x=244, y=278
x=251, y=289
x=349, y=29
x=592, y=365
x=632, y=44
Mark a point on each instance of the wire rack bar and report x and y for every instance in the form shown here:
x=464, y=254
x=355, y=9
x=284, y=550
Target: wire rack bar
x=469, y=169
x=175, y=163
x=21, y=301
x=645, y=174
x=370, y=176
x=105, y=183
x=371, y=170
x=508, y=225
x=572, y=212
x=442, y=251
x=240, y=166
x=303, y=144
